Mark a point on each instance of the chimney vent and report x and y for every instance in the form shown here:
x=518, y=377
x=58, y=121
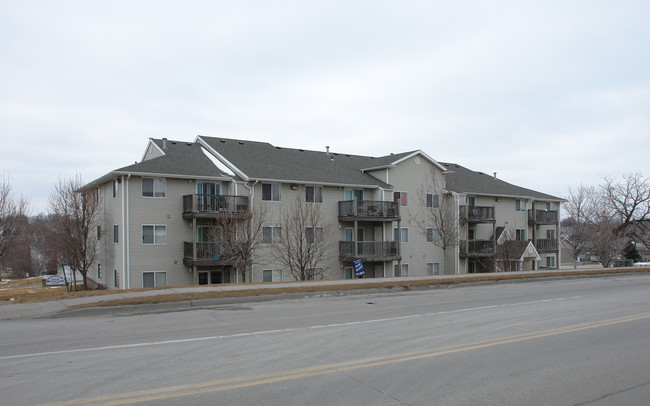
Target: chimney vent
x=164, y=140
x=495, y=175
x=327, y=149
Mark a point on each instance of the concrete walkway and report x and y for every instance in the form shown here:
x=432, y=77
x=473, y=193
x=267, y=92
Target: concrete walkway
x=60, y=308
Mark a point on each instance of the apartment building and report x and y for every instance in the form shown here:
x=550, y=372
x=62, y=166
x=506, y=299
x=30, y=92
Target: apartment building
x=500, y=222
x=159, y=214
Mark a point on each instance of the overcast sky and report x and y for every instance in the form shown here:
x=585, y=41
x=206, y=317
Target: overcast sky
x=548, y=94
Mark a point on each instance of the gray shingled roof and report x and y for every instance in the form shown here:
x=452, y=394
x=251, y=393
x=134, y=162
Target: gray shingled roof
x=464, y=180
x=261, y=160
x=181, y=159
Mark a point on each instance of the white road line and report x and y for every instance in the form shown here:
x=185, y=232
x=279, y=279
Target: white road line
x=254, y=333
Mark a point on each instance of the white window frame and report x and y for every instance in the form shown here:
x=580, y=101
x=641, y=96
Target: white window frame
x=520, y=234
x=433, y=235
x=158, y=188
x=398, y=196
x=520, y=205
x=116, y=233
x=550, y=261
x=315, y=193
x=275, y=233
x=403, y=271
x=314, y=235
x=116, y=188
x=275, y=192
x=433, y=268
x=116, y=278
x=433, y=200
x=156, y=278
x=99, y=271
x=402, y=235
x=154, y=228
x=276, y=275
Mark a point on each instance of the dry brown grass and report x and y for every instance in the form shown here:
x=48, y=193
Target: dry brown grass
x=30, y=290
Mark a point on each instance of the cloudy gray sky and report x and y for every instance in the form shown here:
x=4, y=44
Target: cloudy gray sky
x=549, y=94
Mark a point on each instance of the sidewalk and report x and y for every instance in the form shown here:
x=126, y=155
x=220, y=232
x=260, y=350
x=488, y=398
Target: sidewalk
x=276, y=291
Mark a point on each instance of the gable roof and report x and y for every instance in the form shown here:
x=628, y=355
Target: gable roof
x=253, y=160
x=180, y=159
x=463, y=180
x=516, y=250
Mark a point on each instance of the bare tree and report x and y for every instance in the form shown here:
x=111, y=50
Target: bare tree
x=77, y=229
x=13, y=213
x=305, y=244
x=580, y=205
x=628, y=201
x=437, y=219
x=238, y=238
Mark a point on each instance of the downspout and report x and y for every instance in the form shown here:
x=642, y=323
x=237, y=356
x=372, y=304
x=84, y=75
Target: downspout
x=124, y=245
x=457, y=225
x=127, y=270
x=251, y=197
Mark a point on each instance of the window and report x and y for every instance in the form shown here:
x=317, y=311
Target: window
x=520, y=234
x=550, y=234
x=471, y=234
x=99, y=271
x=271, y=192
x=353, y=194
x=99, y=233
x=432, y=235
x=154, y=234
x=116, y=278
x=271, y=235
x=403, y=271
x=116, y=188
x=314, y=194
x=314, y=273
x=269, y=275
x=550, y=262
x=116, y=233
x=401, y=234
x=153, y=187
x=348, y=272
x=520, y=205
x=433, y=200
x=433, y=268
x=154, y=279
x=471, y=201
x=401, y=198
x=314, y=234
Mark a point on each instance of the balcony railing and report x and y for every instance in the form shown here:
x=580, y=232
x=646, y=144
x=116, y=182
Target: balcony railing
x=476, y=248
x=477, y=214
x=369, y=250
x=546, y=245
x=207, y=254
x=542, y=217
x=368, y=210
x=212, y=206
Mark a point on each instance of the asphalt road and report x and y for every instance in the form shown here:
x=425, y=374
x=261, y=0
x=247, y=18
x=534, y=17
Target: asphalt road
x=570, y=342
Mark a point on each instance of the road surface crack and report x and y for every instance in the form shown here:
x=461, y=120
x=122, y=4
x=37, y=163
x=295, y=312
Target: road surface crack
x=613, y=394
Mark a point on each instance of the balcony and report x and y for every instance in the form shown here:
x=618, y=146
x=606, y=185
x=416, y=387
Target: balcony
x=477, y=214
x=476, y=248
x=369, y=251
x=546, y=246
x=542, y=217
x=368, y=210
x=207, y=254
x=215, y=206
